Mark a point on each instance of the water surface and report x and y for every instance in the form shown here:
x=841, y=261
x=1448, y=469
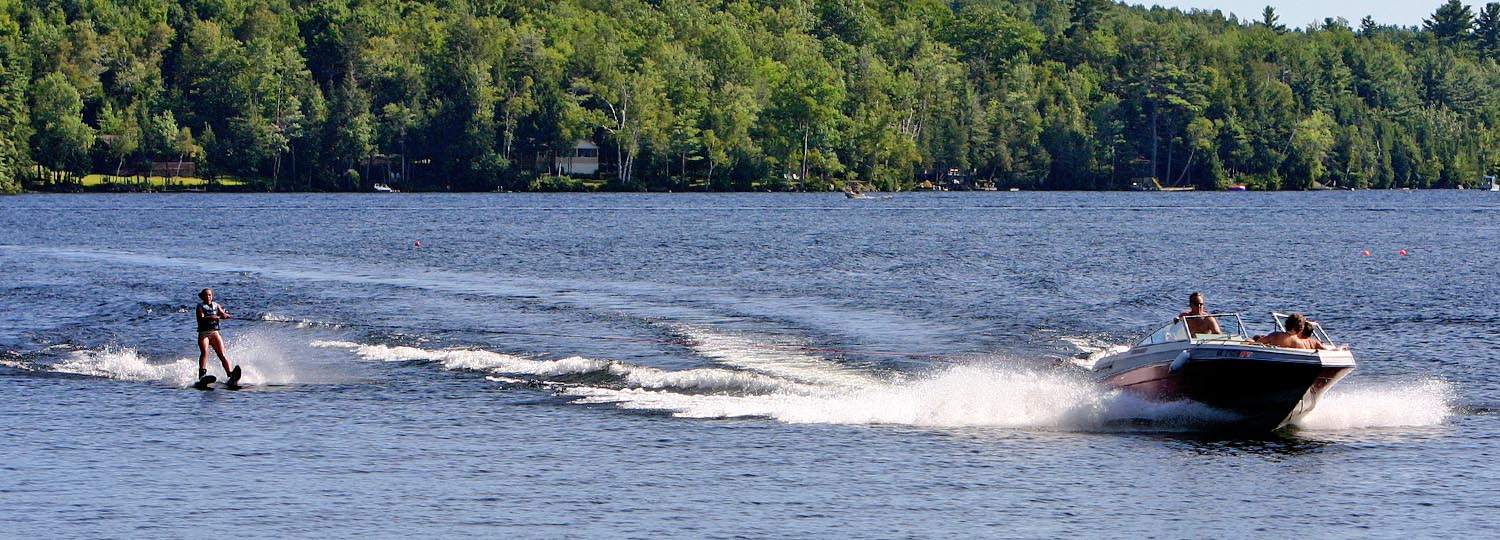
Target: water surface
x=731, y=366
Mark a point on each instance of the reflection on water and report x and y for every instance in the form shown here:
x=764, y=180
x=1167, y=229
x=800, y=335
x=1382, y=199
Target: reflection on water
x=1278, y=444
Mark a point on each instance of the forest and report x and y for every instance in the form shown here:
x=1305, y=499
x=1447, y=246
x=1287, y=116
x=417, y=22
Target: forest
x=735, y=95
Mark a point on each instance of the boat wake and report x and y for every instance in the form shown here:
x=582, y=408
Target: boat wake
x=752, y=377
x=1424, y=402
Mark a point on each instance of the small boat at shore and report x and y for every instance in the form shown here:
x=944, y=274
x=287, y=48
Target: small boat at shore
x=382, y=188
x=1263, y=387
x=1152, y=184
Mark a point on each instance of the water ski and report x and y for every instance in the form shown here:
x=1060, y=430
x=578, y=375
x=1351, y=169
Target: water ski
x=234, y=379
x=205, y=382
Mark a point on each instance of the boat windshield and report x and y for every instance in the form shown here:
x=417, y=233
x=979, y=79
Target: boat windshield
x=1232, y=329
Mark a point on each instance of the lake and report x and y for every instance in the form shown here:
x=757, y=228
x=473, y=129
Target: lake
x=731, y=365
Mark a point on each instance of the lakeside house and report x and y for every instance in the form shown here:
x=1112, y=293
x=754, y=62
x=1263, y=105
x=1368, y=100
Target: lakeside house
x=584, y=160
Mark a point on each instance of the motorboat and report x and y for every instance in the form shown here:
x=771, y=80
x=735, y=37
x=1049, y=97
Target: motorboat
x=382, y=188
x=1263, y=387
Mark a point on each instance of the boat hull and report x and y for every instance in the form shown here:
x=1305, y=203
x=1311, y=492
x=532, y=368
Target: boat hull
x=1264, y=387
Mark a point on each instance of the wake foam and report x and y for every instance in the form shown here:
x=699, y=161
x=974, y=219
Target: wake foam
x=1424, y=402
x=958, y=396
x=265, y=359
x=126, y=364
x=779, y=385
x=781, y=360
x=471, y=359
x=294, y=322
x=14, y=362
x=1091, y=350
x=702, y=380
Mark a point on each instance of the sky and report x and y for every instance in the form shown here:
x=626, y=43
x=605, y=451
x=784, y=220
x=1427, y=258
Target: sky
x=1298, y=14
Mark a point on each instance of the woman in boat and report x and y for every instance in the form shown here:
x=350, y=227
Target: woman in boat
x=1292, y=338
x=1311, y=341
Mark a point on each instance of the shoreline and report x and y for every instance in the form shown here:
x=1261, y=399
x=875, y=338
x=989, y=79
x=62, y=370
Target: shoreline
x=831, y=192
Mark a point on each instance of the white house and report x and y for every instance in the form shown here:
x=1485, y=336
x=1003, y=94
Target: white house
x=583, y=162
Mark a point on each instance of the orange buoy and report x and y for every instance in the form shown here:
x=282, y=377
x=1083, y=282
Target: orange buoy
x=1367, y=253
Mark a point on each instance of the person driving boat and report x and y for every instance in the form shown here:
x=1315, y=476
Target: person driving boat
x=1197, y=318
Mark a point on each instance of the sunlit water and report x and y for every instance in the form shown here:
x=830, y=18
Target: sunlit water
x=732, y=366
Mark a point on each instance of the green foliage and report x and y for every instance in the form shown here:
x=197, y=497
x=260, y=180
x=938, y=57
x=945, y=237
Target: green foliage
x=743, y=94
x=15, y=124
x=61, y=140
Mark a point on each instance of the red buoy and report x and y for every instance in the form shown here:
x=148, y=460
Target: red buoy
x=419, y=244
x=1367, y=253
x=1403, y=252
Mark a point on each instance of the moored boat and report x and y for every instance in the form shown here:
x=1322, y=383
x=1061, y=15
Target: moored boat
x=1152, y=184
x=1263, y=387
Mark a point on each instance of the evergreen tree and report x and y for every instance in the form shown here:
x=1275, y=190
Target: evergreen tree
x=1269, y=19
x=1487, y=31
x=1451, y=24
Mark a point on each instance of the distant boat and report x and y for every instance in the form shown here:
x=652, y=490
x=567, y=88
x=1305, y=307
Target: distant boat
x=382, y=188
x=1494, y=184
x=1151, y=184
x=1237, y=187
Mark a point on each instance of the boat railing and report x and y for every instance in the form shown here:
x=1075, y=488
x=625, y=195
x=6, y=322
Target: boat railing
x=1232, y=330
x=1231, y=326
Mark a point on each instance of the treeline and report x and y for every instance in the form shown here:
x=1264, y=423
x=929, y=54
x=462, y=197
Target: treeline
x=742, y=94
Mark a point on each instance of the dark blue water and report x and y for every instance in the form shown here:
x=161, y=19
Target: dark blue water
x=731, y=366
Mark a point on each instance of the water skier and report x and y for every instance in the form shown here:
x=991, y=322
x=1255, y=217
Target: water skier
x=209, y=314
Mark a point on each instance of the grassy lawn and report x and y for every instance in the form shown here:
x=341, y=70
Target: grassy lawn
x=158, y=182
